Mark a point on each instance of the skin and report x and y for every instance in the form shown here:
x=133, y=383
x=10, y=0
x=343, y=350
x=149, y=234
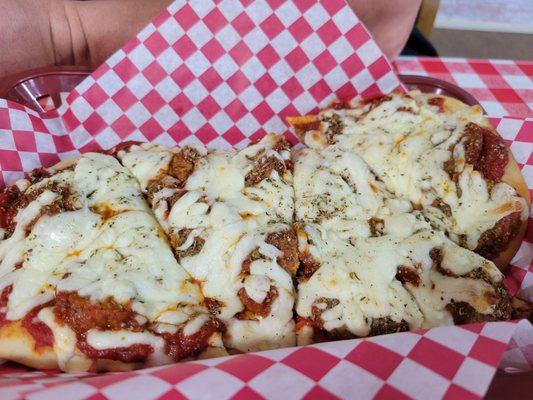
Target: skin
x=390, y=22
x=66, y=32
x=43, y=33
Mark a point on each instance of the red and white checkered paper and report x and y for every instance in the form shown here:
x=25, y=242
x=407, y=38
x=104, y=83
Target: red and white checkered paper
x=224, y=74
x=503, y=87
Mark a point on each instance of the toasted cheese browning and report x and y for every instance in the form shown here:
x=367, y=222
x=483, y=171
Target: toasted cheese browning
x=229, y=219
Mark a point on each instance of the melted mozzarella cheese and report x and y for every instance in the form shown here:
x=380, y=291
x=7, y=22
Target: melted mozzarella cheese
x=69, y=358
x=178, y=316
x=195, y=325
x=275, y=330
x=219, y=177
x=232, y=220
x=106, y=186
x=335, y=196
x=32, y=286
x=102, y=340
x=257, y=287
x=218, y=265
x=12, y=249
x=362, y=277
x=109, y=246
x=130, y=261
x=407, y=151
x=477, y=210
x=335, y=189
x=165, y=328
x=145, y=161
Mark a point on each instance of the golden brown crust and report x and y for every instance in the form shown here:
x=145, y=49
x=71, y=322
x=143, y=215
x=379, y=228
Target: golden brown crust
x=308, y=123
x=513, y=177
x=522, y=309
x=303, y=123
x=64, y=164
x=16, y=344
x=452, y=105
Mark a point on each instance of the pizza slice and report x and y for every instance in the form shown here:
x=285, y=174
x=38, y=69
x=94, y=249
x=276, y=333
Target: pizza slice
x=87, y=279
x=228, y=216
x=442, y=156
x=371, y=264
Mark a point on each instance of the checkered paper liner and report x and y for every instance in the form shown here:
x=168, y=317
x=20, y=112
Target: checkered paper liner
x=447, y=362
x=503, y=87
x=224, y=74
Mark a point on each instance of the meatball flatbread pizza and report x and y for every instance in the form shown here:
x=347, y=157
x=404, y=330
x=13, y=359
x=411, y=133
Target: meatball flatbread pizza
x=396, y=216
x=88, y=280
x=441, y=155
x=229, y=219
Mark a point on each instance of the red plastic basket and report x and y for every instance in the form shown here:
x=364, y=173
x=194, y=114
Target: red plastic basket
x=40, y=89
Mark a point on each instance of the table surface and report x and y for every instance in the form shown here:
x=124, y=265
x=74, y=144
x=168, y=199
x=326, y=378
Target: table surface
x=503, y=87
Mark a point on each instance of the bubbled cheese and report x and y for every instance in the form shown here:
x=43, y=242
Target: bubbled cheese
x=231, y=219
x=406, y=142
x=335, y=197
x=107, y=246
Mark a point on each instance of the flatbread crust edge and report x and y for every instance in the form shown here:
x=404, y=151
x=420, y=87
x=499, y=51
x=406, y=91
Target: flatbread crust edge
x=16, y=344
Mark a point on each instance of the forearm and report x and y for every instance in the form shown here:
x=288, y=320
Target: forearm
x=24, y=36
x=100, y=27
x=63, y=32
x=389, y=21
x=66, y=32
